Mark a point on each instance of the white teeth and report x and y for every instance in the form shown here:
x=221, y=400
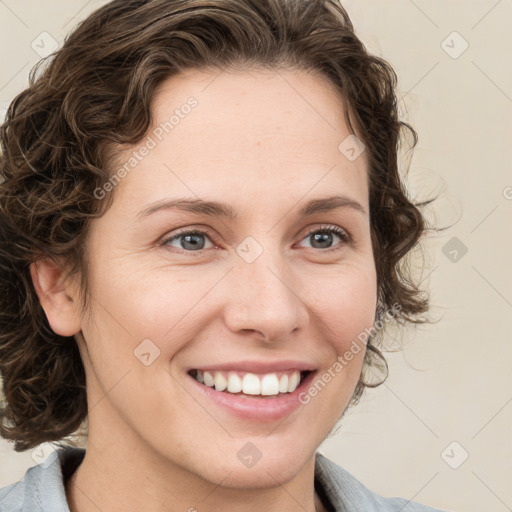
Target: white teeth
x=283, y=384
x=208, y=379
x=250, y=384
x=220, y=382
x=234, y=383
x=293, y=382
x=270, y=384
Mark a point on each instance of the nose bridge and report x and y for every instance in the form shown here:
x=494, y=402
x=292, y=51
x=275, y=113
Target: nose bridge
x=264, y=294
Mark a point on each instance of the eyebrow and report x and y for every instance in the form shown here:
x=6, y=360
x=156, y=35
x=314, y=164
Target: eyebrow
x=219, y=209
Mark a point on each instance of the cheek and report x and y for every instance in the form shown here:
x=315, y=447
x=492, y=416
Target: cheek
x=345, y=303
x=170, y=304
x=167, y=306
x=345, y=306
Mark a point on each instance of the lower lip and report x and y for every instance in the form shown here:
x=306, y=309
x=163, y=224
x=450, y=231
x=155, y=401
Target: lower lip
x=256, y=408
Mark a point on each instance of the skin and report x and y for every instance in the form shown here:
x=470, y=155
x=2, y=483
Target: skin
x=265, y=142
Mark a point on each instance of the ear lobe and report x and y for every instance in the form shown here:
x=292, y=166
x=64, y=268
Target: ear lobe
x=57, y=297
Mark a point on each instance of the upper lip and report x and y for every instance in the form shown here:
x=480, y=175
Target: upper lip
x=258, y=366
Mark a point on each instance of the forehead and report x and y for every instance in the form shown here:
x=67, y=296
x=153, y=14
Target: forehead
x=266, y=103
x=256, y=129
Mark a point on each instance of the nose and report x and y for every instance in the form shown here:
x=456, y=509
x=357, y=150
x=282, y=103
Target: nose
x=263, y=298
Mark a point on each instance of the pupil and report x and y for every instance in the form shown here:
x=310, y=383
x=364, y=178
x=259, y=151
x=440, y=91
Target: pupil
x=193, y=240
x=322, y=238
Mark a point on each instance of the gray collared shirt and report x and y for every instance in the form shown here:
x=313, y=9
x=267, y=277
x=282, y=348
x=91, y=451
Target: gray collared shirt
x=42, y=488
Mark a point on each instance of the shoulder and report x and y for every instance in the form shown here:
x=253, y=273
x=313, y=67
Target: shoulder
x=42, y=487
x=345, y=492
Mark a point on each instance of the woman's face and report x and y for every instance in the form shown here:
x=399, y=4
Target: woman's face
x=266, y=290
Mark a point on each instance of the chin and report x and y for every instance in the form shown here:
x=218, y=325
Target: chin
x=268, y=468
x=264, y=477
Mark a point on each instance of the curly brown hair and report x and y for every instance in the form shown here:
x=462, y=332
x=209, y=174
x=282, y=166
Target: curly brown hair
x=94, y=94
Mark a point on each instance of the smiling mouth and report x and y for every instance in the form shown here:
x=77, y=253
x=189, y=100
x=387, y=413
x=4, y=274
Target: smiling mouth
x=269, y=385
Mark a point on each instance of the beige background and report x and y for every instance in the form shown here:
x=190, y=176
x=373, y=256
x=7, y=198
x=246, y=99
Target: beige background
x=453, y=382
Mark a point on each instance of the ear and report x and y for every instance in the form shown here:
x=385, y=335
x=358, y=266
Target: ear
x=59, y=299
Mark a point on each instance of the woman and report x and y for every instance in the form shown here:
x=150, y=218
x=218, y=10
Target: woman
x=201, y=221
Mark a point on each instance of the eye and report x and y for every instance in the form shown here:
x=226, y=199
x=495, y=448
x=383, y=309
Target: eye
x=189, y=241
x=194, y=240
x=322, y=238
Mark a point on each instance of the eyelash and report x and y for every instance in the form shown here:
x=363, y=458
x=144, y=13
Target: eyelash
x=344, y=236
